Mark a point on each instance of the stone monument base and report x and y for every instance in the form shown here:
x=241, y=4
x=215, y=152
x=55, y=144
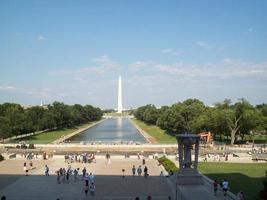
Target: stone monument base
x=189, y=177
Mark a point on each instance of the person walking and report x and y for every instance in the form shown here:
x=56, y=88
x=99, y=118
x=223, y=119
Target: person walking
x=215, y=187
x=67, y=176
x=139, y=170
x=145, y=172
x=58, y=177
x=75, y=172
x=91, y=178
x=64, y=175
x=92, y=189
x=84, y=172
x=46, y=170
x=225, y=186
x=86, y=188
x=133, y=170
x=25, y=168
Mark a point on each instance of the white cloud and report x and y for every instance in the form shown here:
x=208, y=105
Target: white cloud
x=7, y=88
x=40, y=38
x=225, y=69
x=201, y=44
x=171, y=52
x=141, y=64
x=105, y=61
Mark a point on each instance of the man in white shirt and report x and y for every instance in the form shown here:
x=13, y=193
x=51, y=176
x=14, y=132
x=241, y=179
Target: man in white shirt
x=225, y=186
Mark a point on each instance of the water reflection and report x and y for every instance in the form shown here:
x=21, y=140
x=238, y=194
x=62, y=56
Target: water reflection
x=119, y=127
x=111, y=130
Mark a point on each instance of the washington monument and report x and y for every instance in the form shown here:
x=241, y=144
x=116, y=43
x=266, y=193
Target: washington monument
x=119, y=95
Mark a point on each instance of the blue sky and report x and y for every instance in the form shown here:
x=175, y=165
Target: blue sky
x=166, y=51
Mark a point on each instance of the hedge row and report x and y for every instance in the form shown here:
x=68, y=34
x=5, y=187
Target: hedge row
x=168, y=165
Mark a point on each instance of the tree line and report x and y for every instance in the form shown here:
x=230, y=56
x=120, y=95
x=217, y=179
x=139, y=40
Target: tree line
x=224, y=119
x=15, y=120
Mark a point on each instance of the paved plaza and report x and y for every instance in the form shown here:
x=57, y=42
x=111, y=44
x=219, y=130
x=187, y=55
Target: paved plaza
x=110, y=185
x=108, y=178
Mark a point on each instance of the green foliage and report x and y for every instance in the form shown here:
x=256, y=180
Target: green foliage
x=247, y=177
x=14, y=120
x=167, y=164
x=224, y=120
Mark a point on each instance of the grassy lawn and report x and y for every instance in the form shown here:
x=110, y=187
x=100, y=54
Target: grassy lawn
x=50, y=136
x=160, y=135
x=246, y=177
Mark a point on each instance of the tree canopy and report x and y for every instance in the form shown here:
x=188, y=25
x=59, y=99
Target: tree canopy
x=15, y=120
x=224, y=119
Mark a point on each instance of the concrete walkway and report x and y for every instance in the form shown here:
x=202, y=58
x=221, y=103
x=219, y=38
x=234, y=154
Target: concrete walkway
x=110, y=185
x=108, y=179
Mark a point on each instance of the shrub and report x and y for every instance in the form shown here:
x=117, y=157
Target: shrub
x=167, y=164
x=263, y=193
x=1, y=157
x=31, y=146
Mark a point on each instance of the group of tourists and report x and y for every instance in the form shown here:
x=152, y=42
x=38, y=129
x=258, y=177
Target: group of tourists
x=89, y=182
x=81, y=158
x=139, y=171
x=215, y=157
x=27, y=168
x=63, y=174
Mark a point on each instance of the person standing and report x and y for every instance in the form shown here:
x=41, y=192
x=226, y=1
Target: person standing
x=139, y=170
x=92, y=189
x=86, y=188
x=161, y=173
x=86, y=177
x=46, y=170
x=133, y=170
x=225, y=186
x=67, y=176
x=58, y=177
x=84, y=172
x=91, y=178
x=25, y=168
x=240, y=195
x=145, y=172
x=75, y=172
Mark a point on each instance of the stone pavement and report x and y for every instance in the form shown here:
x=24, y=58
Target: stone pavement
x=108, y=178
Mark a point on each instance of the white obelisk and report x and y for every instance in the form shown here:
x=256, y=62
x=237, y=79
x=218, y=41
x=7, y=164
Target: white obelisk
x=119, y=96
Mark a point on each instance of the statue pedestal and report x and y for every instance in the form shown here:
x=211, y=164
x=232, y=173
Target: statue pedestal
x=189, y=177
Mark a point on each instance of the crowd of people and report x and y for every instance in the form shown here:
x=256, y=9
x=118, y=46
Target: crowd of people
x=216, y=157
x=81, y=158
